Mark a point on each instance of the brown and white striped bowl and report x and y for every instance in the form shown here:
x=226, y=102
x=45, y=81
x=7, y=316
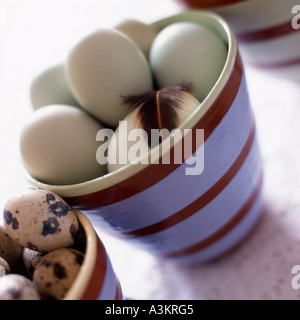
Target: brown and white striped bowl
x=266, y=37
x=187, y=218
x=96, y=279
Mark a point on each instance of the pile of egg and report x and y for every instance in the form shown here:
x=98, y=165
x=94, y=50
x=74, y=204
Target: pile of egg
x=75, y=100
x=41, y=246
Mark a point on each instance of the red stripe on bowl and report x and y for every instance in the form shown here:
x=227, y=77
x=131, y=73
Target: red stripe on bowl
x=203, y=200
x=224, y=230
x=119, y=295
x=209, y=3
x=97, y=278
x=276, y=65
x=153, y=173
x=267, y=34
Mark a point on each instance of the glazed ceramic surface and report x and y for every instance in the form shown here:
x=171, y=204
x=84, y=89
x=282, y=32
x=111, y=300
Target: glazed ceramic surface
x=96, y=280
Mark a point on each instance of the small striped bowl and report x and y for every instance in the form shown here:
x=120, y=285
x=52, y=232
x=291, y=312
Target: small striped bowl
x=96, y=279
x=187, y=218
x=266, y=37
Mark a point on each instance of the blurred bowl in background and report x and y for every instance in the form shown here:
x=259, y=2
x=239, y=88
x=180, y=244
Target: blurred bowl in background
x=267, y=39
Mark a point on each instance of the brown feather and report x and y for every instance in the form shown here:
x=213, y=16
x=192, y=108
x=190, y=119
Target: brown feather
x=159, y=109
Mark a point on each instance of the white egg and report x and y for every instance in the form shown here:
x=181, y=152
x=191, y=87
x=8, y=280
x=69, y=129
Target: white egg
x=51, y=87
x=58, y=145
x=18, y=287
x=188, y=52
x=142, y=34
x=102, y=68
x=119, y=146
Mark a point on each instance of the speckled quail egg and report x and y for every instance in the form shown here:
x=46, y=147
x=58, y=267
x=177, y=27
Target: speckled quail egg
x=17, y=287
x=40, y=220
x=31, y=258
x=190, y=52
x=51, y=87
x=103, y=67
x=10, y=250
x=57, y=271
x=141, y=33
x=58, y=146
x=4, y=267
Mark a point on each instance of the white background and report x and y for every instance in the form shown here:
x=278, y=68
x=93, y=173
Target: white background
x=38, y=34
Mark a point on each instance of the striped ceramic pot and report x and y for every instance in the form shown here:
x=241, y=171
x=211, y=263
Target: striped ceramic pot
x=96, y=279
x=267, y=31
x=188, y=218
